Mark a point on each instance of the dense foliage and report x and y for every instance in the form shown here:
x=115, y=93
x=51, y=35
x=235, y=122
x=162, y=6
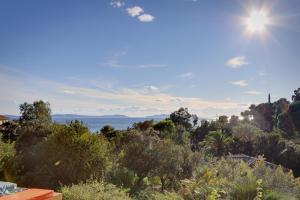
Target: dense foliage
x=176, y=158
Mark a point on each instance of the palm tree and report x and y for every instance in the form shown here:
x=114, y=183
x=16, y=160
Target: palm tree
x=217, y=142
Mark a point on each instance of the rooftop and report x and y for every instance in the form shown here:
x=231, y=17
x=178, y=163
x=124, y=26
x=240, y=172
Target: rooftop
x=2, y=117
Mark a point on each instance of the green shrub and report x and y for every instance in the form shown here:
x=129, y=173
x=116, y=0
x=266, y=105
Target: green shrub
x=93, y=190
x=273, y=195
x=165, y=196
x=152, y=195
x=7, y=153
x=245, y=189
x=69, y=155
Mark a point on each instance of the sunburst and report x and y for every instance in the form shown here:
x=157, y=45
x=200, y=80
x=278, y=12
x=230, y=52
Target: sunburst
x=257, y=21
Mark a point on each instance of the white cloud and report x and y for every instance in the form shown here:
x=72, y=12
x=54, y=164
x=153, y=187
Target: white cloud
x=241, y=83
x=117, y=3
x=187, y=75
x=262, y=74
x=151, y=88
x=135, y=11
x=90, y=100
x=253, y=92
x=146, y=18
x=69, y=92
x=237, y=62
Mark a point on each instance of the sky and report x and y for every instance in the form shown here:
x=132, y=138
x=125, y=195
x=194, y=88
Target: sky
x=145, y=57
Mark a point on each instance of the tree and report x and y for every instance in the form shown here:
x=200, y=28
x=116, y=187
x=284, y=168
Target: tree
x=69, y=155
x=181, y=136
x=233, y=121
x=169, y=162
x=296, y=96
x=281, y=106
x=217, y=142
x=8, y=131
x=143, y=126
x=199, y=134
x=139, y=157
x=109, y=132
x=270, y=145
x=244, y=135
x=262, y=115
x=223, y=123
x=166, y=128
x=246, y=115
x=286, y=124
x=184, y=118
x=37, y=113
x=294, y=112
x=295, y=109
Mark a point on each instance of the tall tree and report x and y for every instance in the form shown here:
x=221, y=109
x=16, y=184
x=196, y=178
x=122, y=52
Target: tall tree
x=37, y=113
x=184, y=118
x=69, y=155
x=296, y=96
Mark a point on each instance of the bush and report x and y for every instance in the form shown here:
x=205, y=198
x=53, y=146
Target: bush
x=245, y=189
x=69, y=155
x=273, y=195
x=7, y=153
x=152, y=195
x=93, y=190
x=232, y=179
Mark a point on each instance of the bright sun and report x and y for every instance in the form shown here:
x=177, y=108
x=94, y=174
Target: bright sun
x=257, y=21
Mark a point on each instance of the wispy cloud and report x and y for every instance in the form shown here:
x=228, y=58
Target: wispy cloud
x=64, y=98
x=115, y=61
x=151, y=88
x=112, y=63
x=117, y=3
x=262, y=73
x=145, y=66
x=242, y=83
x=237, y=62
x=135, y=11
x=187, y=75
x=253, y=92
x=69, y=92
x=146, y=18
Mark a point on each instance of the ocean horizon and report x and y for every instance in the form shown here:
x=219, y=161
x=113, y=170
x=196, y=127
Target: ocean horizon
x=96, y=123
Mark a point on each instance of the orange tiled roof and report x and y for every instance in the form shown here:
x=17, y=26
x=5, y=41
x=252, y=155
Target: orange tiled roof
x=2, y=117
x=33, y=194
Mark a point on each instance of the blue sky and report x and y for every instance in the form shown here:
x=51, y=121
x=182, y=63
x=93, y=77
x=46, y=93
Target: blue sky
x=142, y=57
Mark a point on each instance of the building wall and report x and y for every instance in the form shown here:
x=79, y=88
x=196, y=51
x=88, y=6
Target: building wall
x=3, y=121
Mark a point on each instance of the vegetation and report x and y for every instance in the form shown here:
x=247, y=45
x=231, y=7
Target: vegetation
x=176, y=158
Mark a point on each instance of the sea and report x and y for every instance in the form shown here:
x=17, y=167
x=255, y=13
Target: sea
x=96, y=123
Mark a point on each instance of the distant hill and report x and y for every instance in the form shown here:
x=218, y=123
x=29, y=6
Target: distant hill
x=161, y=116
x=87, y=116
x=74, y=116
x=12, y=117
